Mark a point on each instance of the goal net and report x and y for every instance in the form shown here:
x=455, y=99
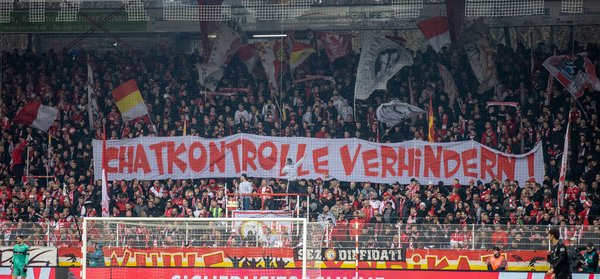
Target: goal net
x=196, y=248
x=494, y=8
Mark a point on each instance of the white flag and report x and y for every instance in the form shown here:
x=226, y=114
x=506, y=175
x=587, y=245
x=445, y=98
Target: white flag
x=394, y=112
x=92, y=104
x=449, y=85
x=481, y=56
x=380, y=60
x=226, y=45
x=209, y=75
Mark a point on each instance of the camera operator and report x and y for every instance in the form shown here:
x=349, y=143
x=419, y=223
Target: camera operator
x=589, y=261
x=558, y=257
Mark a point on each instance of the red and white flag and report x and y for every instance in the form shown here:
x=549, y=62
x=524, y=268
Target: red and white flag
x=576, y=73
x=563, y=169
x=274, y=58
x=36, y=115
x=248, y=55
x=436, y=31
x=335, y=45
x=105, y=202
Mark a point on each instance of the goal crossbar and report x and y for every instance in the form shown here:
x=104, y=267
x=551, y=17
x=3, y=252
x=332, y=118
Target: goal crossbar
x=149, y=220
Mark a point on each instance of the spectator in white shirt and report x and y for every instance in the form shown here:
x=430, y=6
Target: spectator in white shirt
x=241, y=115
x=245, y=188
x=157, y=190
x=291, y=174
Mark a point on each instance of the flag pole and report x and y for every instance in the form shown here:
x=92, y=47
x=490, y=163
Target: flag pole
x=26, y=166
x=105, y=202
x=564, y=165
x=354, y=110
x=49, y=158
x=185, y=126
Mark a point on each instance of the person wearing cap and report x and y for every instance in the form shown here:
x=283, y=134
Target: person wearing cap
x=558, y=257
x=590, y=259
x=497, y=262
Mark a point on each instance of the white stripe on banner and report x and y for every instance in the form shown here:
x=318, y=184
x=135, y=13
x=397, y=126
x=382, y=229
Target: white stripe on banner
x=513, y=275
x=586, y=276
x=538, y=275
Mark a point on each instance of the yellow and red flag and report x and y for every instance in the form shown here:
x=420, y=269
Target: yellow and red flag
x=129, y=101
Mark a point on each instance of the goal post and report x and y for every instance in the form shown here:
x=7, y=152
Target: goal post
x=125, y=247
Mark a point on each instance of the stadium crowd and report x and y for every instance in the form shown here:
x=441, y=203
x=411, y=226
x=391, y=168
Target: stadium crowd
x=318, y=109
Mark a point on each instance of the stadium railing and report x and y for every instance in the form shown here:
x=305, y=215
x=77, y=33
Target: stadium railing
x=339, y=233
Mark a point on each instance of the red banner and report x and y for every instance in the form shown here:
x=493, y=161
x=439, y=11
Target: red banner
x=151, y=158
x=419, y=259
x=250, y=273
x=32, y=273
x=194, y=273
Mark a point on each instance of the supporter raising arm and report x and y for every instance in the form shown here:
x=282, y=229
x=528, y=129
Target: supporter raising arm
x=291, y=174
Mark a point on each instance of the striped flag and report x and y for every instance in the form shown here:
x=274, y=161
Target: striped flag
x=36, y=115
x=300, y=52
x=129, y=101
x=430, y=129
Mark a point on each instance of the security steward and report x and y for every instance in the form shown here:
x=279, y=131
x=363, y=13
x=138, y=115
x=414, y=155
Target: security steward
x=558, y=257
x=496, y=262
x=590, y=259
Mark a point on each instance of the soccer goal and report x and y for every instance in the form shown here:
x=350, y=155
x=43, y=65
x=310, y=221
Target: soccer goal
x=201, y=248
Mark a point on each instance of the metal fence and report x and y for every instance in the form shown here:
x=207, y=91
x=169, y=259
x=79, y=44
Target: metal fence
x=340, y=234
x=457, y=236
x=65, y=233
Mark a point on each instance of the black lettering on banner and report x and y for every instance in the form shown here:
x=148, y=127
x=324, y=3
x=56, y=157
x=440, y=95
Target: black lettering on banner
x=333, y=254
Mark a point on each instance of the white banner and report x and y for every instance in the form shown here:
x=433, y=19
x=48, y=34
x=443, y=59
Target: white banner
x=380, y=60
x=38, y=256
x=150, y=158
